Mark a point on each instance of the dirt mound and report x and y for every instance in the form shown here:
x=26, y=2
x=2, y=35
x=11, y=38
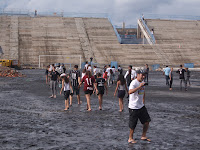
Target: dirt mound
x=9, y=72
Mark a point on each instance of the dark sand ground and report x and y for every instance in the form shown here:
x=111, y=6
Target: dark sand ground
x=30, y=120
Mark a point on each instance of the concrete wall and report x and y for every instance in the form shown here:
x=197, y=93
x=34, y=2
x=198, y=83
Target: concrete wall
x=25, y=38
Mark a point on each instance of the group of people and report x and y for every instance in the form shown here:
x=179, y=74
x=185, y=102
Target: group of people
x=131, y=83
x=168, y=72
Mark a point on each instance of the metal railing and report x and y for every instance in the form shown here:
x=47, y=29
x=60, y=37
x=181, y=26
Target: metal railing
x=172, y=17
x=149, y=32
x=51, y=13
x=116, y=32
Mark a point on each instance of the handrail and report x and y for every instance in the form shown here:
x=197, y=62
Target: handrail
x=51, y=13
x=172, y=17
x=149, y=32
x=116, y=32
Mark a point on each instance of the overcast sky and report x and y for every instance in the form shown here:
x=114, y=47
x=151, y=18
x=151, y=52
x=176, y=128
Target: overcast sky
x=118, y=10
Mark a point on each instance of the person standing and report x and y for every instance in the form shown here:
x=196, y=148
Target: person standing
x=120, y=70
x=89, y=82
x=113, y=74
x=104, y=68
x=188, y=76
x=66, y=86
x=101, y=86
x=146, y=79
x=108, y=70
x=171, y=79
x=47, y=74
x=130, y=75
x=181, y=73
x=95, y=71
x=86, y=65
x=54, y=75
x=166, y=73
x=75, y=79
x=137, y=109
x=122, y=89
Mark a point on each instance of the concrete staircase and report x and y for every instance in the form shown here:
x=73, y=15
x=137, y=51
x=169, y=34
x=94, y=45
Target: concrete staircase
x=180, y=38
x=26, y=38
x=85, y=42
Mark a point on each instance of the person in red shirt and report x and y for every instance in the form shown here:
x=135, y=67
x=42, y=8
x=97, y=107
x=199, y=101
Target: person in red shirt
x=105, y=76
x=89, y=82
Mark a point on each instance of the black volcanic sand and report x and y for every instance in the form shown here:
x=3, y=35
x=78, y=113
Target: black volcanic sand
x=31, y=120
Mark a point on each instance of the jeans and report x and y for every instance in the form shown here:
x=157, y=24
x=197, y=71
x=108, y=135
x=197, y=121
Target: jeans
x=167, y=79
x=170, y=83
x=188, y=80
x=184, y=82
x=53, y=85
x=146, y=79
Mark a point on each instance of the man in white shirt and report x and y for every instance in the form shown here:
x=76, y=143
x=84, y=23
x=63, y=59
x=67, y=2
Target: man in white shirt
x=109, y=74
x=86, y=65
x=137, y=109
x=133, y=73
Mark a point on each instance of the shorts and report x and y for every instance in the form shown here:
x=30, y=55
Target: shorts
x=135, y=114
x=100, y=92
x=89, y=92
x=66, y=94
x=75, y=90
x=121, y=93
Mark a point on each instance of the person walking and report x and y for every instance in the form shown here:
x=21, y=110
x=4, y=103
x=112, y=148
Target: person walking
x=113, y=70
x=137, y=109
x=75, y=79
x=166, y=73
x=54, y=75
x=171, y=79
x=120, y=70
x=108, y=70
x=181, y=73
x=66, y=86
x=101, y=86
x=89, y=82
x=47, y=74
x=146, y=79
x=122, y=89
x=188, y=76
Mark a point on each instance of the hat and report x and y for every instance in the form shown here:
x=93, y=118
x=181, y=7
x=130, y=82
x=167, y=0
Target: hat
x=140, y=71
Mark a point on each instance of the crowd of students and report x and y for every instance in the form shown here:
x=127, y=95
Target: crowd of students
x=131, y=83
x=95, y=80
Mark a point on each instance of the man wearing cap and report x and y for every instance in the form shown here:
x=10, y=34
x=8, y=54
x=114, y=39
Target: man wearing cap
x=137, y=109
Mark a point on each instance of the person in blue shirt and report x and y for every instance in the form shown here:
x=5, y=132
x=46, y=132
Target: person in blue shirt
x=166, y=72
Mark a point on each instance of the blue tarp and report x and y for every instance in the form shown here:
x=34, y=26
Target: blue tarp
x=155, y=66
x=114, y=63
x=189, y=65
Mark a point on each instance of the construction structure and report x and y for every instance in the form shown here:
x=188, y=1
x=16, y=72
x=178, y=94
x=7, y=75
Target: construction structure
x=36, y=41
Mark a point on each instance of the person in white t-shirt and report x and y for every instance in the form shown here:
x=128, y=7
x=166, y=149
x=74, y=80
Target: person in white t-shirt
x=108, y=75
x=89, y=68
x=137, y=109
x=86, y=65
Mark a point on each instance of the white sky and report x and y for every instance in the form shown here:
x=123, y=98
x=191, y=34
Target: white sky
x=118, y=10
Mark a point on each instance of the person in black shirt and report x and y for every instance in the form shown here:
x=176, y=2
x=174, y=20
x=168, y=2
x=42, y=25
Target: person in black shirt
x=181, y=72
x=101, y=86
x=188, y=76
x=146, y=79
x=170, y=79
x=54, y=75
x=75, y=80
x=47, y=74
